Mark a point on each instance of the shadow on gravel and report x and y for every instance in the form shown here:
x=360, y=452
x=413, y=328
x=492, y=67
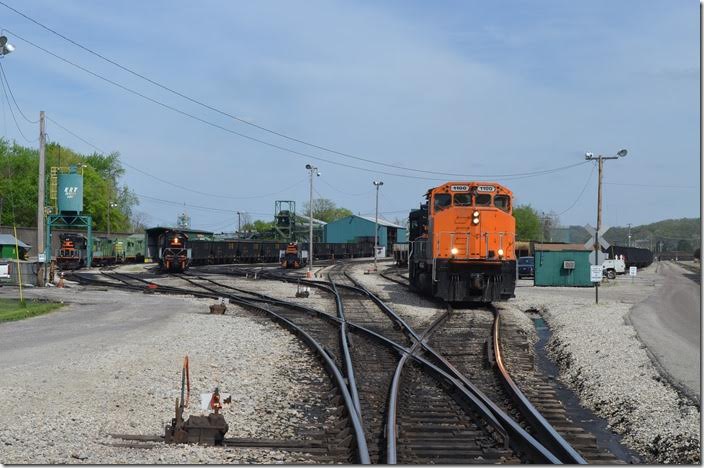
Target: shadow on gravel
x=399, y=294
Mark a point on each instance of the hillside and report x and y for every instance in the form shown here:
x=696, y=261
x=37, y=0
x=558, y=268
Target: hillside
x=667, y=235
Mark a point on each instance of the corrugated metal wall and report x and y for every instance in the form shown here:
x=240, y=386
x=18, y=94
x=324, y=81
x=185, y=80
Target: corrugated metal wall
x=549, y=269
x=349, y=228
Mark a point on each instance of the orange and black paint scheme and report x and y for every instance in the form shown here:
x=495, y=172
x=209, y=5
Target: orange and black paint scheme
x=462, y=243
x=174, y=252
x=291, y=257
x=73, y=250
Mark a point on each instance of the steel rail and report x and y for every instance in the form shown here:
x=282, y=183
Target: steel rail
x=504, y=424
x=349, y=370
x=516, y=432
x=360, y=439
x=494, y=415
x=548, y=436
x=391, y=419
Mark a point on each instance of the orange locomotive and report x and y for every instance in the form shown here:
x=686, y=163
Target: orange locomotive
x=462, y=243
x=291, y=257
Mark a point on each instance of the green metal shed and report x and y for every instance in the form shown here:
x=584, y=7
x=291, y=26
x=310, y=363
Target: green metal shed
x=562, y=265
x=7, y=247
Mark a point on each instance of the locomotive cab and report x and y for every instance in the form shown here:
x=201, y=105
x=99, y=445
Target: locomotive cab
x=291, y=257
x=174, y=255
x=463, y=244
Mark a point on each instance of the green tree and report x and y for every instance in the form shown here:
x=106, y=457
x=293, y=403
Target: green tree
x=325, y=210
x=528, y=225
x=19, y=167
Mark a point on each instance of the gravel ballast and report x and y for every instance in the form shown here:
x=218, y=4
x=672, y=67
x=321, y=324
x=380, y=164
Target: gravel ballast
x=601, y=358
x=61, y=407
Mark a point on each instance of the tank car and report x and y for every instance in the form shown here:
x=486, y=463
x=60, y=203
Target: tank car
x=462, y=243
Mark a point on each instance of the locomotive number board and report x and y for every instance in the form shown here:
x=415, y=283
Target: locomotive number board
x=459, y=188
x=486, y=188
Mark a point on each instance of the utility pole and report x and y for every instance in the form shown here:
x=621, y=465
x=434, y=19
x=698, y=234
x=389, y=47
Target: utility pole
x=597, y=247
x=311, y=170
x=377, y=184
x=239, y=224
x=629, y=234
x=40, y=197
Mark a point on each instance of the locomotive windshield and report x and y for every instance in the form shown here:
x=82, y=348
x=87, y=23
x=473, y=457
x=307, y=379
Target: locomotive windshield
x=501, y=202
x=442, y=201
x=482, y=199
x=463, y=199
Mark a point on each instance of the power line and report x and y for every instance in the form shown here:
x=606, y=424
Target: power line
x=246, y=122
x=172, y=183
x=580, y=193
x=197, y=207
x=279, y=147
x=9, y=88
x=12, y=112
x=653, y=185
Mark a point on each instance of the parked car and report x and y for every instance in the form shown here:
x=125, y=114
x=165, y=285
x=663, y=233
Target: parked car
x=526, y=267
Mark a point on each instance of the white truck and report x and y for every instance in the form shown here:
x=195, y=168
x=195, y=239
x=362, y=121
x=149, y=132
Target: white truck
x=613, y=267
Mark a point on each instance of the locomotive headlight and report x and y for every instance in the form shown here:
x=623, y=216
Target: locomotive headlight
x=454, y=250
x=501, y=252
x=475, y=220
x=475, y=214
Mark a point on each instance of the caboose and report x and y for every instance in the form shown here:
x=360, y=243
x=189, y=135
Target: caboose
x=462, y=243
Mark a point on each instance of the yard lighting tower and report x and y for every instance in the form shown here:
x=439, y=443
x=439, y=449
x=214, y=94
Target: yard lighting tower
x=312, y=170
x=377, y=184
x=5, y=47
x=597, y=248
x=110, y=205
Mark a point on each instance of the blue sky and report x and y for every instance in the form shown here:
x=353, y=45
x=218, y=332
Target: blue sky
x=464, y=87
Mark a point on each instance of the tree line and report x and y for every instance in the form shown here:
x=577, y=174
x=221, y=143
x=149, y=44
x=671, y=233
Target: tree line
x=19, y=187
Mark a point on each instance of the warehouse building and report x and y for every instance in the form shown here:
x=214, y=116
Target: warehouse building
x=562, y=265
x=357, y=228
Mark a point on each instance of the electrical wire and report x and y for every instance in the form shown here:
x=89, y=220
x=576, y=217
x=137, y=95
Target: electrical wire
x=343, y=192
x=214, y=195
x=2, y=70
x=246, y=122
x=279, y=147
x=197, y=207
x=12, y=112
x=653, y=185
x=580, y=193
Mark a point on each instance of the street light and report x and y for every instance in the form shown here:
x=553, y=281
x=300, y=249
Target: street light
x=597, y=248
x=312, y=170
x=377, y=184
x=110, y=205
x=5, y=47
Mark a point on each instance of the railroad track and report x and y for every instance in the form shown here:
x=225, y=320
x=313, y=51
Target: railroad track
x=412, y=396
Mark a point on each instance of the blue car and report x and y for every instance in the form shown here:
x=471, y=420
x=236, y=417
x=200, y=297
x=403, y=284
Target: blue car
x=526, y=267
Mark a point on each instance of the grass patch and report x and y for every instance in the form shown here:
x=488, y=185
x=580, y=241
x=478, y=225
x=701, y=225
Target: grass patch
x=13, y=309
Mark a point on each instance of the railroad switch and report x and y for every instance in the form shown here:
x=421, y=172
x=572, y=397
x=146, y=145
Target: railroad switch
x=207, y=430
x=302, y=291
x=218, y=309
